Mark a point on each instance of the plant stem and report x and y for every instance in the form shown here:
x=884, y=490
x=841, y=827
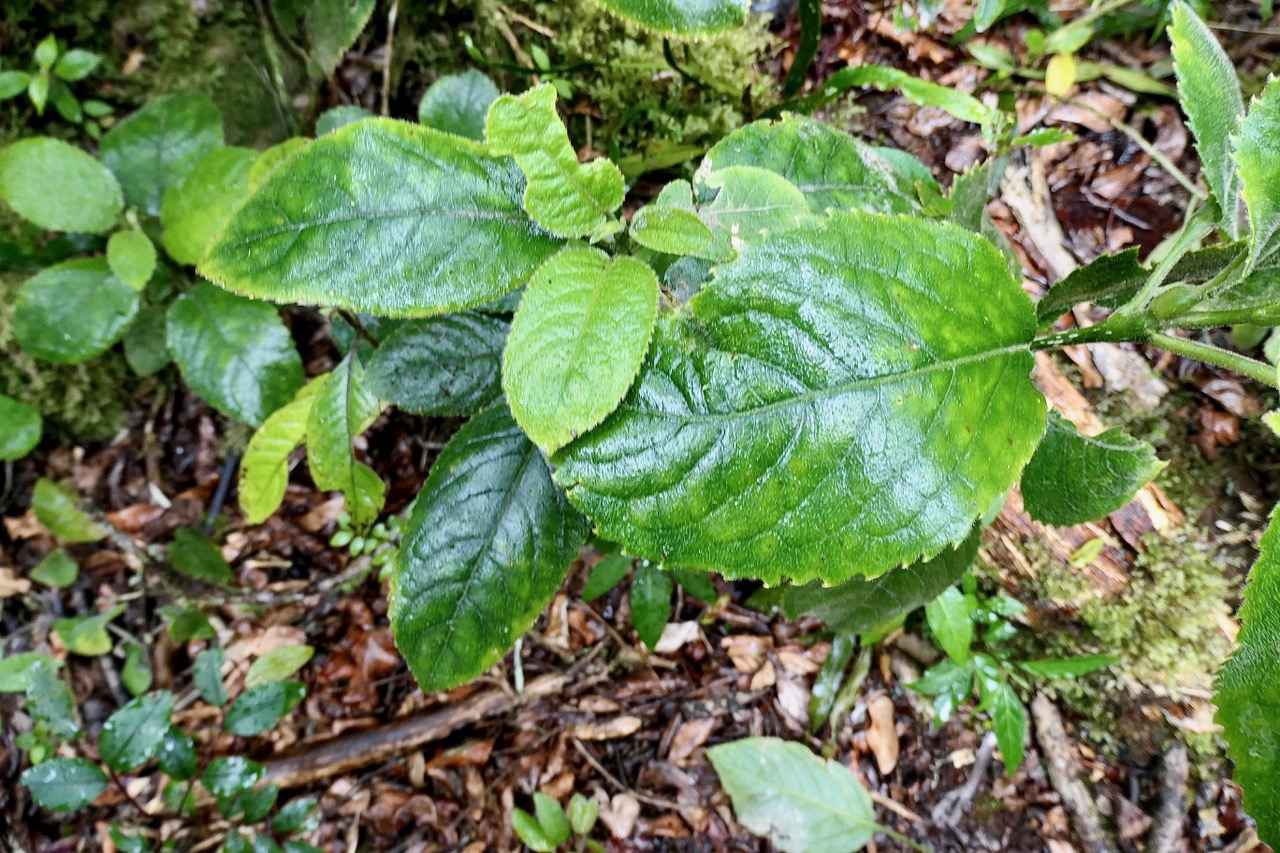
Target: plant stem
x=1209, y=354
x=1194, y=229
x=1111, y=331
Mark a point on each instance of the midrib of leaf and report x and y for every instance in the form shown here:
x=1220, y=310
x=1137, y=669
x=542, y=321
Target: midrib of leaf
x=823, y=805
x=833, y=390
x=405, y=213
x=578, y=340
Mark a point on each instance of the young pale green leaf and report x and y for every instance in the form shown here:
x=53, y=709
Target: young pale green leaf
x=55, y=508
x=823, y=364
x=272, y=157
x=260, y=708
x=750, y=205
x=450, y=365
x=131, y=257
x=606, y=574
x=458, y=104
x=333, y=26
x=56, y=570
x=341, y=116
x=577, y=342
x=235, y=352
x=64, y=784
x=1072, y=667
x=76, y=64
x=196, y=557
x=343, y=409
x=669, y=229
x=651, y=590
x=207, y=675
x=563, y=196
x=1210, y=94
x=950, y=617
x=1249, y=690
x=49, y=700
x=195, y=208
x=583, y=813
x=1074, y=478
x=926, y=94
x=802, y=803
x=17, y=670
x=551, y=817
x=949, y=683
x=264, y=472
x=154, y=149
x=136, y=672
x=489, y=543
x=1008, y=720
x=131, y=736
x=1257, y=155
x=683, y=17
x=227, y=777
x=13, y=84
x=176, y=755
x=73, y=311
x=530, y=831
x=58, y=187
x=87, y=635
x=383, y=217
x=860, y=604
x=830, y=168
x=278, y=664
x=20, y=428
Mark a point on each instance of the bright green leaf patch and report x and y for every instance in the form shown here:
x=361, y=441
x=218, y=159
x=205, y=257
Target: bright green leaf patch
x=196, y=207
x=489, y=543
x=449, y=365
x=458, y=104
x=87, y=635
x=383, y=217
x=196, y=557
x=72, y=311
x=131, y=257
x=669, y=229
x=57, y=570
x=1257, y=155
x=749, y=205
x=20, y=428
x=343, y=409
x=576, y=343
x=950, y=618
x=264, y=472
x=863, y=376
x=333, y=26
x=55, y=508
x=277, y=665
x=57, y=186
x=683, y=17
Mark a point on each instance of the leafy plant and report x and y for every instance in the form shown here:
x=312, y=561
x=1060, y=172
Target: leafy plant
x=549, y=828
x=53, y=70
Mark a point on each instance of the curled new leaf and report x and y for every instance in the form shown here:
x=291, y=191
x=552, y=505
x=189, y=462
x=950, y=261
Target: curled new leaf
x=264, y=473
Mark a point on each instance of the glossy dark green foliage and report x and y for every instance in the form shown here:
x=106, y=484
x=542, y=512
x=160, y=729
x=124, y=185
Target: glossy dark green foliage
x=176, y=755
x=132, y=735
x=650, y=602
x=259, y=708
x=64, y=784
x=73, y=311
x=458, y=103
x=207, y=674
x=227, y=777
x=196, y=557
x=450, y=365
x=490, y=540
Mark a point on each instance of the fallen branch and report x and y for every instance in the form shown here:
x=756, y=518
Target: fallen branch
x=1061, y=765
x=1166, y=831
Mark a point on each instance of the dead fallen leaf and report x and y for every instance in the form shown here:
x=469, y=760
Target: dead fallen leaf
x=11, y=584
x=747, y=651
x=611, y=729
x=620, y=814
x=691, y=735
x=882, y=733
x=676, y=635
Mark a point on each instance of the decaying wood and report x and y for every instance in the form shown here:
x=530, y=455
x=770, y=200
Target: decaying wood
x=1166, y=830
x=1061, y=765
x=368, y=747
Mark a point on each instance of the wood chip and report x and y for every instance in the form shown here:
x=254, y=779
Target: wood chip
x=611, y=729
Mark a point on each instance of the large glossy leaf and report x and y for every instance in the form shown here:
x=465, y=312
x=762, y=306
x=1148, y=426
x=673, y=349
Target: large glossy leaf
x=343, y=409
x=577, y=342
x=333, y=26
x=1211, y=98
x=1074, y=478
x=235, y=352
x=450, y=365
x=842, y=398
x=683, y=17
x=264, y=473
x=563, y=196
x=860, y=604
x=57, y=186
x=831, y=168
x=72, y=311
x=489, y=543
x=154, y=149
x=1248, y=697
x=384, y=217
x=20, y=428
x=1257, y=155
x=458, y=103
x=195, y=208
x=800, y=802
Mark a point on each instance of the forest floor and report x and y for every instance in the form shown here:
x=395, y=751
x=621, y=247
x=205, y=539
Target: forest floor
x=399, y=770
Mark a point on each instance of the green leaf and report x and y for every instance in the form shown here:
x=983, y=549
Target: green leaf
x=450, y=365
x=958, y=104
x=800, y=802
x=58, y=187
x=258, y=803
x=860, y=604
x=38, y=91
x=488, y=545
x=437, y=222
x=294, y=816
x=227, y=777
x=87, y=635
x=234, y=352
x=131, y=736
x=695, y=583
x=341, y=116
x=830, y=679
x=750, y=205
x=683, y=17
x=1071, y=667
x=458, y=104
x=131, y=257
x=17, y=670
x=144, y=342
x=207, y=676
x=55, y=508
x=972, y=190
x=20, y=428
x=949, y=683
x=987, y=13
x=136, y=672
x=46, y=52
x=195, y=208
x=583, y=813
x=234, y=842
x=1074, y=478
x=552, y=819
x=577, y=342
x=272, y=157
x=531, y=832
x=1008, y=721
x=563, y=196
x=278, y=664
x=196, y=557
x=333, y=26
x=830, y=168
x=606, y=574
x=56, y=570
x=1109, y=280
x=1257, y=156
x=821, y=366
x=73, y=311
x=126, y=843
x=13, y=83
x=264, y=472
x=76, y=64
x=670, y=230
x=651, y=590
x=1210, y=95
x=1248, y=697
x=187, y=623
x=950, y=617
x=64, y=784
x=259, y=708
x=154, y=149
x=49, y=700
x=343, y=409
